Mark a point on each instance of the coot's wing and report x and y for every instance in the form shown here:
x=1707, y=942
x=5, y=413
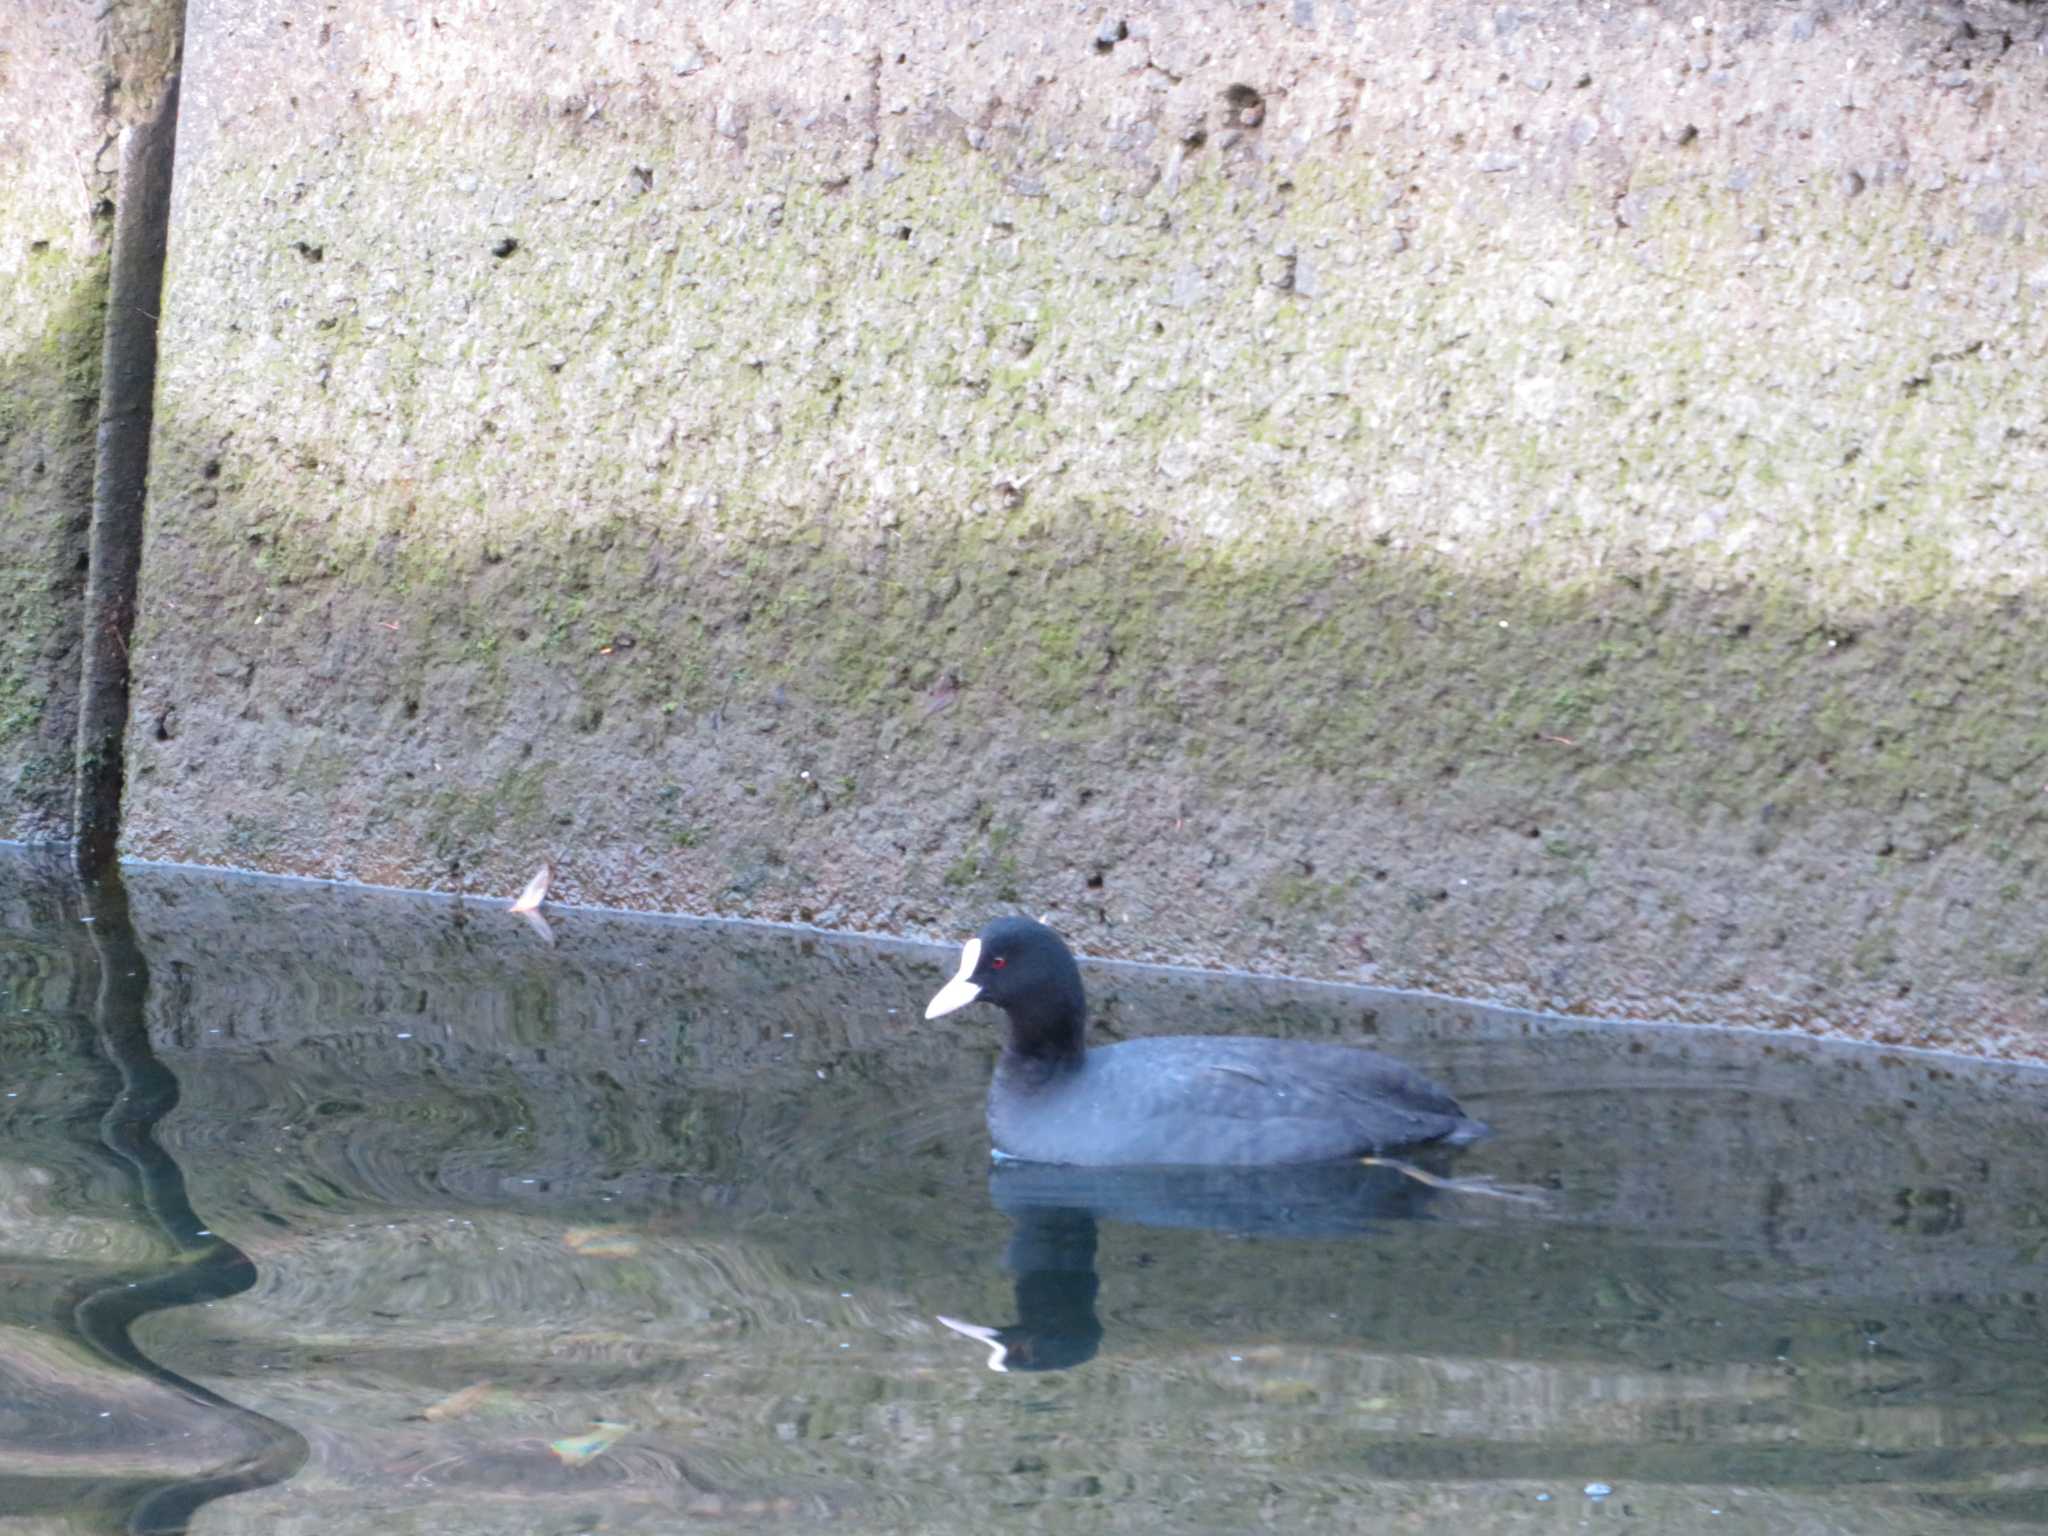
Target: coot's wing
x=1235, y=1099
x=1327, y=1075
x=1364, y=1101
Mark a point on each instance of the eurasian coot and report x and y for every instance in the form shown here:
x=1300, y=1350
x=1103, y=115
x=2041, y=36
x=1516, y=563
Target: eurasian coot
x=1206, y=1099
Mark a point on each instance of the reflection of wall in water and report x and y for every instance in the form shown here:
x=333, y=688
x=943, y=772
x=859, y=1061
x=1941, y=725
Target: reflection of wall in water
x=1806, y=1152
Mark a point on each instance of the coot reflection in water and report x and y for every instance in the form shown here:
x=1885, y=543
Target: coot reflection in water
x=1053, y=1209
x=649, y=1229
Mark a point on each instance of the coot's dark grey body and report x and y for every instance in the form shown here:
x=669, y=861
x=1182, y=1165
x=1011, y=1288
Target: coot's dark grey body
x=1215, y=1099
x=1231, y=1100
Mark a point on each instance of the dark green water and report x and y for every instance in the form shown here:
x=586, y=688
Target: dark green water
x=337, y=1211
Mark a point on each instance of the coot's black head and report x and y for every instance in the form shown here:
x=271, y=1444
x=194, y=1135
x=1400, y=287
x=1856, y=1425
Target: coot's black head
x=1026, y=970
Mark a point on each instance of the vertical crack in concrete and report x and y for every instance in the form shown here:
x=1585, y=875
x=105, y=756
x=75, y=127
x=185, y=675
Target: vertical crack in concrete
x=121, y=470
x=871, y=126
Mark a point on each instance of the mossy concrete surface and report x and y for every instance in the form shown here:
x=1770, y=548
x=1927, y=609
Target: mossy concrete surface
x=1541, y=504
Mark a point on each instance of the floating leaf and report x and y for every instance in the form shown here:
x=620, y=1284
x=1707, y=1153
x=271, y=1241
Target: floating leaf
x=578, y=1449
x=457, y=1405
x=536, y=890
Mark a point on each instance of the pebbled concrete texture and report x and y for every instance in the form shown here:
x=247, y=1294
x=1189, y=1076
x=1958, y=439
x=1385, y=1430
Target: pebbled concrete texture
x=1538, y=503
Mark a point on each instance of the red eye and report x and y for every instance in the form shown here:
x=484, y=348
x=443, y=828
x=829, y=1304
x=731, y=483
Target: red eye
x=998, y=963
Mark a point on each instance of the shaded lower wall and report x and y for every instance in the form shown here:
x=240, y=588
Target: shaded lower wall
x=1539, y=503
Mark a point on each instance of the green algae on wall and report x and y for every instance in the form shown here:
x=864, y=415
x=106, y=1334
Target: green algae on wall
x=1720, y=379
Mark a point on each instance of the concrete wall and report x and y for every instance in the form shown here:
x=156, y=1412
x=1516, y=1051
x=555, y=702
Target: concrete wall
x=1537, y=502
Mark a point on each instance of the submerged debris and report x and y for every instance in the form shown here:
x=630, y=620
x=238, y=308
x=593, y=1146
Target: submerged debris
x=457, y=1405
x=575, y=1450
x=601, y=1242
